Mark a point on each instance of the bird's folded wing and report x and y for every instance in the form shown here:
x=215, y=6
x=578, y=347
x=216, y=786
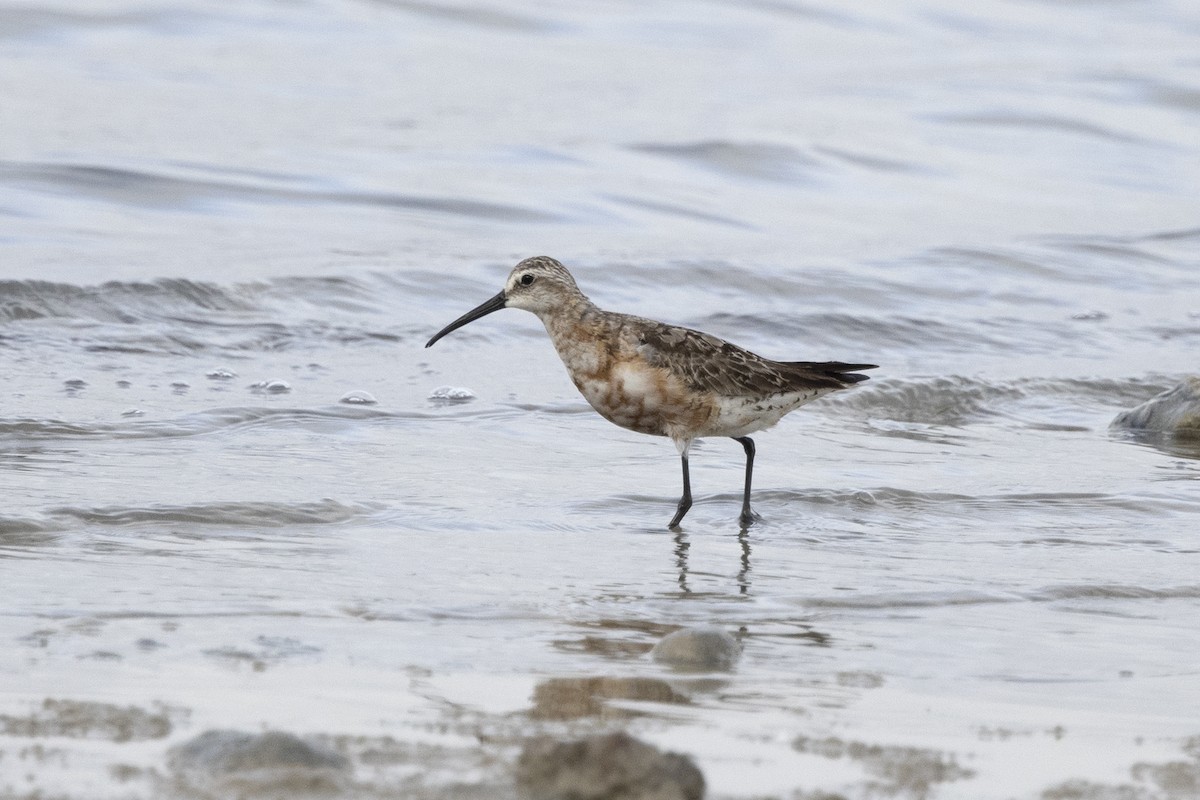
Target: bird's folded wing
x=706, y=363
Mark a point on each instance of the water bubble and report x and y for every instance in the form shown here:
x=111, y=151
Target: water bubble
x=271, y=387
x=1089, y=316
x=220, y=374
x=133, y=412
x=124, y=384
x=452, y=394
x=358, y=398
x=75, y=383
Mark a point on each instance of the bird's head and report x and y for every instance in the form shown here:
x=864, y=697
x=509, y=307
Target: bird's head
x=539, y=284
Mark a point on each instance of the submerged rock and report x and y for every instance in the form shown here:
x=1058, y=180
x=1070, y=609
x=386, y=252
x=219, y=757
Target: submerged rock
x=272, y=764
x=79, y=719
x=1176, y=410
x=612, y=766
x=572, y=698
x=700, y=649
x=898, y=771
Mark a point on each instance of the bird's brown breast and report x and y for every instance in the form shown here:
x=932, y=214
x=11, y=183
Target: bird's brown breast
x=626, y=390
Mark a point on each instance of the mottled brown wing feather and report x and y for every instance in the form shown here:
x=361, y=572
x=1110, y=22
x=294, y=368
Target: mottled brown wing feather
x=707, y=363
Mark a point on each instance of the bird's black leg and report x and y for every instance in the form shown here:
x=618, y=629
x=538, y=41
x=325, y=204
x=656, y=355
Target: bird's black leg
x=747, y=443
x=685, y=502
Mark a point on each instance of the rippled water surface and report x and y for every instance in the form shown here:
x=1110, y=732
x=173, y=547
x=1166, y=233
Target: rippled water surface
x=233, y=497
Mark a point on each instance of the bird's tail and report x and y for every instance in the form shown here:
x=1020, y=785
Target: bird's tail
x=838, y=370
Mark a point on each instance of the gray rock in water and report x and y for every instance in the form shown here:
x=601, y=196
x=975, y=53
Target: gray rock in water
x=700, y=649
x=612, y=766
x=272, y=764
x=1174, y=411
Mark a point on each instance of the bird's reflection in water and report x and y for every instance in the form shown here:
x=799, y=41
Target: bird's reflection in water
x=743, y=576
x=681, y=560
x=682, y=545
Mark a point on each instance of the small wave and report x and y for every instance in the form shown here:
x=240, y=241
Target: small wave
x=952, y=400
x=911, y=600
x=676, y=210
x=753, y=160
x=1181, y=444
x=203, y=422
x=22, y=428
x=908, y=500
x=114, y=301
x=191, y=302
x=28, y=21
x=1090, y=259
x=184, y=317
x=825, y=328
x=1105, y=249
x=1163, y=93
x=982, y=511
x=970, y=597
x=1143, y=263
x=151, y=189
x=474, y=16
x=247, y=514
x=1001, y=261
x=874, y=163
x=1182, y=235
x=1114, y=592
x=805, y=11
x=15, y=527
x=957, y=400
x=1045, y=122
x=735, y=281
x=1169, y=332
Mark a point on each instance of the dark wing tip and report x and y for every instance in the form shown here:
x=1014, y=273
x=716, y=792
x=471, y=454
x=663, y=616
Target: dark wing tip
x=846, y=372
x=840, y=371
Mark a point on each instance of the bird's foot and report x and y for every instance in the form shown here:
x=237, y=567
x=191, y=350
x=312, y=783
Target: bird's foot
x=748, y=518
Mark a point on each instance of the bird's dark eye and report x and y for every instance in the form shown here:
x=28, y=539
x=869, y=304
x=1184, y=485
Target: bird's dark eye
x=526, y=279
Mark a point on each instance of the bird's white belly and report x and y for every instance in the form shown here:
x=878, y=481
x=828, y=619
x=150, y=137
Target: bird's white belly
x=740, y=416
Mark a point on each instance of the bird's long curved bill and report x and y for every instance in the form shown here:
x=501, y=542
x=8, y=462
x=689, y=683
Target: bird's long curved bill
x=495, y=304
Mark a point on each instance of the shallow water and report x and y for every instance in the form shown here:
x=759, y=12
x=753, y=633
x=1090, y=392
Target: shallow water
x=219, y=221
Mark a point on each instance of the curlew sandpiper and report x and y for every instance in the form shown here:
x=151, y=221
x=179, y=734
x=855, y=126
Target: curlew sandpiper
x=661, y=379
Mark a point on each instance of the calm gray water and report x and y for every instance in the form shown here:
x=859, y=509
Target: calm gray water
x=219, y=219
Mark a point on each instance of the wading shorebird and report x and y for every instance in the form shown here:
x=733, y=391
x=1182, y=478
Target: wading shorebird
x=661, y=379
